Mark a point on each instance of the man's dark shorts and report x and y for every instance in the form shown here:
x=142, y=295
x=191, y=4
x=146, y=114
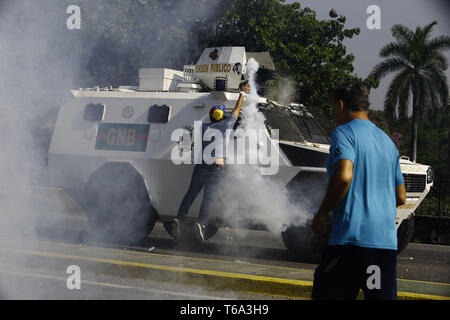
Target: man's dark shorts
x=343, y=271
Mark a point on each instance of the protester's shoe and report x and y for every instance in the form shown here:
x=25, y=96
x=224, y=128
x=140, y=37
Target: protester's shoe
x=199, y=231
x=174, y=229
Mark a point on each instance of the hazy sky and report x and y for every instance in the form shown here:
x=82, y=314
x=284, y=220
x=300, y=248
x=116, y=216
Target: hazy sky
x=366, y=46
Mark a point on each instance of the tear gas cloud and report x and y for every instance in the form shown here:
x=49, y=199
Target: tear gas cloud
x=283, y=91
x=37, y=61
x=264, y=200
x=40, y=60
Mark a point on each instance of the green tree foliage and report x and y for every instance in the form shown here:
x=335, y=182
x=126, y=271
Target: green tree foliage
x=433, y=141
x=121, y=36
x=308, y=51
x=420, y=64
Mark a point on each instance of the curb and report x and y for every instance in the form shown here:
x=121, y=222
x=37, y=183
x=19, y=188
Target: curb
x=285, y=288
x=214, y=280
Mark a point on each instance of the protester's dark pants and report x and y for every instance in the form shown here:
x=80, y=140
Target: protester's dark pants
x=207, y=176
x=343, y=271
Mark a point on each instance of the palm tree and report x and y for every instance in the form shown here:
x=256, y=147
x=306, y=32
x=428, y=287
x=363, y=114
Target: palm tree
x=420, y=64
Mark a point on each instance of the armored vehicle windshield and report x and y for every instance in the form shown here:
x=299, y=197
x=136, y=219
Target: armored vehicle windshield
x=294, y=122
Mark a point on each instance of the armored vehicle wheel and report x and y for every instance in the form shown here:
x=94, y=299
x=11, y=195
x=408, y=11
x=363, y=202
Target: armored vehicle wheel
x=187, y=230
x=118, y=205
x=302, y=243
x=405, y=233
x=306, y=190
x=211, y=230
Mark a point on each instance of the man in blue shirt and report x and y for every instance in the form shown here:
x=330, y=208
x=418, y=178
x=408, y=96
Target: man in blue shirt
x=207, y=175
x=366, y=185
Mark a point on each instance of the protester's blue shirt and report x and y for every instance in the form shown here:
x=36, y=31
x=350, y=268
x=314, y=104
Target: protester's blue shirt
x=220, y=140
x=366, y=215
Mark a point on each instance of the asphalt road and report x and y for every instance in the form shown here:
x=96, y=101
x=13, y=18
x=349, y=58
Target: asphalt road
x=422, y=262
x=34, y=284
x=418, y=262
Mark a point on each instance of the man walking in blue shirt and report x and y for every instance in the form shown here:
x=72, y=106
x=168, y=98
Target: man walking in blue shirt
x=366, y=185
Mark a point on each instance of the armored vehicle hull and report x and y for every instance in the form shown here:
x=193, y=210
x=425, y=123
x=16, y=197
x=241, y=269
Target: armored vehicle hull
x=113, y=150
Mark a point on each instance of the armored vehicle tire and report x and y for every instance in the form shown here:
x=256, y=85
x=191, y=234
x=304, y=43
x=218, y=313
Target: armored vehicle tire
x=211, y=230
x=187, y=230
x=404, y=233
x=118, y=206
x=302, y=243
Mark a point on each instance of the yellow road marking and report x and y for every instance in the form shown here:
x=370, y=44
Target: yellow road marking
x=401, y=294
x=212, y=260
x=229, y=275
x=111, y=285
x=165, y=268
x=171, y=256
x=424, y=296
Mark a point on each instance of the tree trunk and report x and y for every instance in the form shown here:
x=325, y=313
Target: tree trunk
x=414, y=123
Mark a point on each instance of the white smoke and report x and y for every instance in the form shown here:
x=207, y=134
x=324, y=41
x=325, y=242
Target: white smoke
x=40, y=60
x=259, y=198
x=253, y=118
x=283, y=91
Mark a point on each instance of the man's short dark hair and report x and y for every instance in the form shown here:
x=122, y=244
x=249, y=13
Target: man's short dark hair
x=354, y=95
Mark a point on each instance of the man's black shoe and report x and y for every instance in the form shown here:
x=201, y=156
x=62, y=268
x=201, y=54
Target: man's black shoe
x=199, y=231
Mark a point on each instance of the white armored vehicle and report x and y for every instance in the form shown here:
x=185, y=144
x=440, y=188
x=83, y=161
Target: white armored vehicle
x=111, y=149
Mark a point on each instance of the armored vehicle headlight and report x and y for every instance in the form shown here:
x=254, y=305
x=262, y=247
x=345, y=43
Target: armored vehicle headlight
x=94, y=112
x=430, y=175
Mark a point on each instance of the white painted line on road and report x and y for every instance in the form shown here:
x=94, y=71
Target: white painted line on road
x=112, y=285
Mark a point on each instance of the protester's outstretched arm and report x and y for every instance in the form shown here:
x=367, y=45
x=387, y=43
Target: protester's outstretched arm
x=244, y=86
